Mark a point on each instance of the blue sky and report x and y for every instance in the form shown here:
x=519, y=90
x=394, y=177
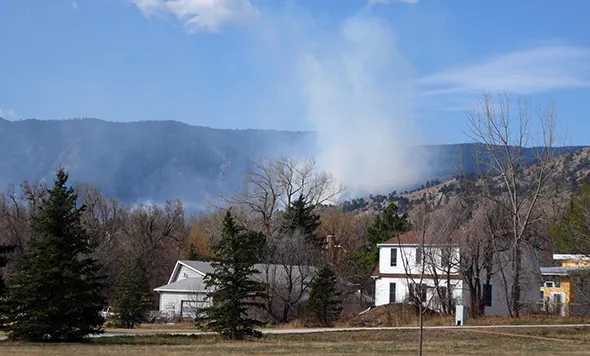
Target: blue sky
x=297, y=65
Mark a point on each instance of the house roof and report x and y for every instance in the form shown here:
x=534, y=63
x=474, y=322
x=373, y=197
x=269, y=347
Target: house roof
x=414, y=237
x=560, y=257
x=189, y=285
x=561, y=271
x=198, y=266
x=268, y=272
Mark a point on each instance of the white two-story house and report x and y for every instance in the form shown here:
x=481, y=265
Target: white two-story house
x=412, y=272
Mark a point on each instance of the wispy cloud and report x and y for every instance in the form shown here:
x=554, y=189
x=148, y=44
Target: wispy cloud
x=391, y=1
x=200, y=15
x=533, y=70
x=7, y=113
x=74, y=5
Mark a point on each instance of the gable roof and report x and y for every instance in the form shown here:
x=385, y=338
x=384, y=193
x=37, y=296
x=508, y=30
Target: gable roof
x=267, y=272
x=188, y=285
x=200, y=267
x=414, y=237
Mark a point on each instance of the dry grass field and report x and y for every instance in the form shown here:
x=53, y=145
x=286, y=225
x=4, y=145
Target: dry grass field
x=554, y=341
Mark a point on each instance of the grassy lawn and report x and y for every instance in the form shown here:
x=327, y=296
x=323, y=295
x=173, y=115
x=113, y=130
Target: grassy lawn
x=561, y=341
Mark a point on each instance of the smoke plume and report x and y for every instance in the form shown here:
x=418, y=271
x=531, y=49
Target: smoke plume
x=358, y=93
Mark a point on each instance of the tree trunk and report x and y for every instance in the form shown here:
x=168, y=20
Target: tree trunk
x=421, y=334
x=515, y=295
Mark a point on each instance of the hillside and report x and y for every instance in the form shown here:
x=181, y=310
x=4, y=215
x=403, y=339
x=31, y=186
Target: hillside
x=163, y=160
x=570, y=170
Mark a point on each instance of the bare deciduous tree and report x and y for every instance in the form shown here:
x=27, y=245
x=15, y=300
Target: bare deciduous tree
x=272, y=185
x=504, y=134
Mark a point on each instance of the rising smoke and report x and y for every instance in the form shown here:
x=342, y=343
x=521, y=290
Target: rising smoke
x=358, y=94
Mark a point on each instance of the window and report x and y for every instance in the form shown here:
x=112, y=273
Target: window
x=487, y=295
x=418, y=292
x=393, y=257
x=549, y=284
x=419, y=256
x=557, y=281
x=542, y=297
x=392, y=292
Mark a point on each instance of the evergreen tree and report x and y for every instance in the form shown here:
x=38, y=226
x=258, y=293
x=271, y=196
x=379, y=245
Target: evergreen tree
x=133, y=297
x=4, y=251
x=572, y=235
x=323, y=305
x=233, y=289
x=300, y=216
x=192, y=253
x=55, y=291
x=387, y=225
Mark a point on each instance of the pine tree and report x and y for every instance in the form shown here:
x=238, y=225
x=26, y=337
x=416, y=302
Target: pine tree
x=323, y=303
x=300, y=216
x=4, y=251
x=234, y=290
x=55, y=291
x=572, y=234
x=386, y=226
x=192, y=253
x=133, y=297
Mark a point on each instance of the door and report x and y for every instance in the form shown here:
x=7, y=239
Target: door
x=558, y=303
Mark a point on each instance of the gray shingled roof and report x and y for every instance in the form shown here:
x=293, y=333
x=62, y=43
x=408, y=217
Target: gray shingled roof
x=561, y=270
x=201, y=266
x=192, y=284
x=267, y=273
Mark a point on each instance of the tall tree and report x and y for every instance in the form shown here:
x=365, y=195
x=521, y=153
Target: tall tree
x=55, y=291
x=503, y=133
x=387, y=225
x=572, y=234
x=4, y=251
x=133, y=297
x=323, y=305
x=300, y=217
x=234, y=289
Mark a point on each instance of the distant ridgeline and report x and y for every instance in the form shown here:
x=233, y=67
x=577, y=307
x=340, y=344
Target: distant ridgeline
x=165, y=160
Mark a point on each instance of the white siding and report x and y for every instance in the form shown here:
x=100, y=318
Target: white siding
x=385, y=260
x=382, y=286
x=432, y=257
x=170, y=302
x=185, y=272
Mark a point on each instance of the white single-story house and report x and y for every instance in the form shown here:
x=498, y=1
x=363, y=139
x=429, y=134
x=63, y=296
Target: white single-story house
x=185, y=292
x=399, y=272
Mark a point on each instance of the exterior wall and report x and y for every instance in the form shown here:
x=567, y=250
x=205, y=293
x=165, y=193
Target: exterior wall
x=170, y=303
x=564, y=287
x=408, y=253
x=575, y=263
x=382, y=286
x=185, y=272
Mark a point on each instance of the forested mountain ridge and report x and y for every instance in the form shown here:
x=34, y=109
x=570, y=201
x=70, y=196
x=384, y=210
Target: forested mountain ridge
x=165, y=160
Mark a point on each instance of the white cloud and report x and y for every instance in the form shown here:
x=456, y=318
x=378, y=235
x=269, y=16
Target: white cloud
x=540, y=69
x=391, y=1
x=74, y=5
x=200, y=15
x=7, y=113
